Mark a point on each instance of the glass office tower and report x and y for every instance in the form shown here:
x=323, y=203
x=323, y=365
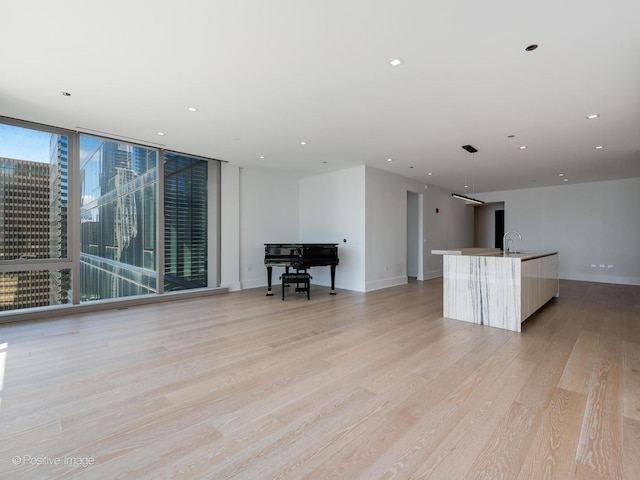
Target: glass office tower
x=58, y=216
x=118, y=219
x=185, y=222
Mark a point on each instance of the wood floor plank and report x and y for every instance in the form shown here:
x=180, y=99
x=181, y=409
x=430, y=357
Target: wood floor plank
x=552, y=359
x=601, y=438
x=578, y=369
x=503, y=454
x=631, y=463
x=631, y=379
x=552, y=452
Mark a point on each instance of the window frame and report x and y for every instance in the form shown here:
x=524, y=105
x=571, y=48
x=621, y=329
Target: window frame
x=72, y=260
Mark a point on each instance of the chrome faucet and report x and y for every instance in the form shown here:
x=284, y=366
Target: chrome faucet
x=505, y=242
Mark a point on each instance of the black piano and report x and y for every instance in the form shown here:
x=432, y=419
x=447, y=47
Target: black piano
x=301, y=256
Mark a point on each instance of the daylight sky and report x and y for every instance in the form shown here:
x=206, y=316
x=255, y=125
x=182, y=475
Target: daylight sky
x=24, y=144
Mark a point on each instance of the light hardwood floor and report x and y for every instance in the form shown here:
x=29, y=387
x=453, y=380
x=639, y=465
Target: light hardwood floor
x=353, y=386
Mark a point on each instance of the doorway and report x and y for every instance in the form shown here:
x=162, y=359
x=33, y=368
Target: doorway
x=414, y=236
x=488, y=225
x=499, y=228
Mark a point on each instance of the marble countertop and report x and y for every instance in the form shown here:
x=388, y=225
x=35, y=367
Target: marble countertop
x=522, y=255
x=527, y=255
x=466, y=251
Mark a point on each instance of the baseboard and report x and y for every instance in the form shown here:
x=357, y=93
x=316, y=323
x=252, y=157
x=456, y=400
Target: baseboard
x=386, y=283
x=601, y=279
x=432, y=275
x=232, y=286
x=38, y=313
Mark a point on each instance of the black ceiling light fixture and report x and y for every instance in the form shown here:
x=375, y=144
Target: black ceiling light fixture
x=471, y=149
x=531, y=47
x=467, y=199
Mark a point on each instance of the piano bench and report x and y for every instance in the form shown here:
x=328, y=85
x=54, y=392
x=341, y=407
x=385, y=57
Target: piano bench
x=298, y=279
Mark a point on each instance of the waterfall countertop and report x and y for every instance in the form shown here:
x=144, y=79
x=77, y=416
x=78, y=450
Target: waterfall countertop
x=496, y=290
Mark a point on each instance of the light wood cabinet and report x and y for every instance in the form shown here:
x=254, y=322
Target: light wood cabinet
x=539, y=283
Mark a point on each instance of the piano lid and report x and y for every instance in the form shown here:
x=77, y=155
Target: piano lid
x=311, y=254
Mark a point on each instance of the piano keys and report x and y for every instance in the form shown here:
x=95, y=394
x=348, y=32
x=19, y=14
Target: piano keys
x=301, y=256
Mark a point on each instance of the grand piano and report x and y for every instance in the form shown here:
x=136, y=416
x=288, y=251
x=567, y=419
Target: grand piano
x=301, y=256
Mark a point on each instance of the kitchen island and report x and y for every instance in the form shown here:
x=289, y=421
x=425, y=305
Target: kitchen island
x=497, y=290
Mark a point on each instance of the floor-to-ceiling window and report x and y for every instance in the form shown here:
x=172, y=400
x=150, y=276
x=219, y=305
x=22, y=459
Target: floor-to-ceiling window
x=34, y=176
x=79, y=218
x=185, y=222
x=117, y=212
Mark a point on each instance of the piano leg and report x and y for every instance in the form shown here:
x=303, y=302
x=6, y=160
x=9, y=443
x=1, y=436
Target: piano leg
x=286, y=271
x=333, y=280
x=269, y=273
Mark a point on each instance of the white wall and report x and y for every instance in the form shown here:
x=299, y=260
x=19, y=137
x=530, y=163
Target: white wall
x=590, y=223
x=386, y=227
x=365, y=206
x=268, y=214
x=449, y=227
x=413, y=234
x=229, y=227
x=332, y=208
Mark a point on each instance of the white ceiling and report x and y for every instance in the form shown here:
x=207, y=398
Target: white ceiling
x=266, y=75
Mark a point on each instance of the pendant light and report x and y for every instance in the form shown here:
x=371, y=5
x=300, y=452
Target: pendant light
x=472, y=150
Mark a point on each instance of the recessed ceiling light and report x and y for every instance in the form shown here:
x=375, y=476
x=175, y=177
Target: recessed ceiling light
x=599, y=147
x=592, y=116
x=396, y=61
x=429, y=173
x=523, y=147
x=192, y=109
x=161, y=133
x=531, y=47
x=566, y=179
x=303, y=143
x=389, y=159
x=561, y=174
x=65, y=94
x=261, y=156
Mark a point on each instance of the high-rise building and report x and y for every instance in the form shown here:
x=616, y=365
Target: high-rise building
x=185, y=222
x=58, y=215
x=117, y=255
x=25, y=231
